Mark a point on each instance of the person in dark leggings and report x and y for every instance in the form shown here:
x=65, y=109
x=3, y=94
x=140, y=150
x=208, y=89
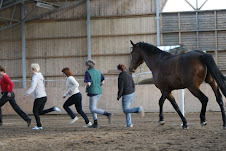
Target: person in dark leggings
x=8, y=95
x=37, y=86
x=74, y=97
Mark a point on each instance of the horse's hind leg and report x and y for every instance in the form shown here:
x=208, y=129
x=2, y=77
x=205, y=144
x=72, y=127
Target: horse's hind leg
x=218, y=95
x=204, y=100
x=161, y=117
x=170, y=97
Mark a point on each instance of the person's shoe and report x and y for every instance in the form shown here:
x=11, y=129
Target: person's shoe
x=109, y=118
x=94, y=126
x=72, y=121
x=129, y=126
x=87, y=125
x=37, y=128
x=142, y=112
x=56, y=109
x=29, y=122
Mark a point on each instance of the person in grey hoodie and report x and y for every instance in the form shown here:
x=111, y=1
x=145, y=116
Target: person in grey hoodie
x=37, y=86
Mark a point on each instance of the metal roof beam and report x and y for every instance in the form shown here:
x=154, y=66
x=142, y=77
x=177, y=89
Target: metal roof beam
x=41, y=15
x=202, y=5
x=8, y=19
x=190, y=4
x=1, y=3
x=11, y=4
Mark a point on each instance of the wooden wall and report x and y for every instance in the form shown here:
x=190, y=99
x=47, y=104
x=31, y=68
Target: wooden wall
x=59, y=39
x=204, y=30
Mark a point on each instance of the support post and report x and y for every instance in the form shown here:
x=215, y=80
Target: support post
x=1, y=3
x=88, y=29
x=197, y=5
x=216, y=38
x=23, y=46
x=182, y=102
x=157, y=22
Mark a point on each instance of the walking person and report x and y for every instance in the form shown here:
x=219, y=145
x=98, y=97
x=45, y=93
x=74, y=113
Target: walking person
x=126, y=90
x=37, y=86
x=94, y=80
x=9, y=95
x=74, y=97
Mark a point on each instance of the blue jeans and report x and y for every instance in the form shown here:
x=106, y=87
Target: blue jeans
x=126, y=102
x=93, y=106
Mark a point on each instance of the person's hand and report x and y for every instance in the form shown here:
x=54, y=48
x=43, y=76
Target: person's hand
x=24, y=97
x=70, y=92
x=9, y=94
x=118, y=98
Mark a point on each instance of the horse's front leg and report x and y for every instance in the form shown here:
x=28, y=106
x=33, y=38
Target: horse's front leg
x=161, y=117
x=170, y=97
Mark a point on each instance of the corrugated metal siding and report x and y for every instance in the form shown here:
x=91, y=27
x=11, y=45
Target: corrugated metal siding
x=170, y=39
x=189, y=40
x=188, y=21
x=170, y=23
x=206, y=21
x=209, y=35
x=222, y=60
x=207, y=40
x=222, y=39
x=221, y=20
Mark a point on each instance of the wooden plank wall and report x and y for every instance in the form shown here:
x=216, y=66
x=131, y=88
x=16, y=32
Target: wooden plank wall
x=204, y=30
x=10, y=50
x=59, y=39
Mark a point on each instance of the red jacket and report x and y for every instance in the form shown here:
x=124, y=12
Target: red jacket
x=6, y=84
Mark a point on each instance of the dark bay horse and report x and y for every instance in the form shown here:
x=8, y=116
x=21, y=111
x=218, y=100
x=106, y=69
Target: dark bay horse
x=172, y=72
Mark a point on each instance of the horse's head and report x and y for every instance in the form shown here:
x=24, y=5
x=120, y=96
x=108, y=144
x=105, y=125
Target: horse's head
x=136, y=58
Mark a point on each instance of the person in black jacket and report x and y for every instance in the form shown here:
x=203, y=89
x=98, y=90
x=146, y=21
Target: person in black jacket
x=126, y=90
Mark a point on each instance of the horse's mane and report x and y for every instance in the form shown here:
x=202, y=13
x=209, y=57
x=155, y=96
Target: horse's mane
x=149, y=48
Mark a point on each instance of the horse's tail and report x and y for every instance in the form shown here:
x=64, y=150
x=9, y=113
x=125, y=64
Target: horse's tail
x=208, y=60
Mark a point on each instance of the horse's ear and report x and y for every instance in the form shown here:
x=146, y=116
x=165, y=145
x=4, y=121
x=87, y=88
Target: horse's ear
x=132, y=43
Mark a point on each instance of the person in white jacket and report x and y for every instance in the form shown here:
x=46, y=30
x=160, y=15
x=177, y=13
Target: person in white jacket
x=74, y=97
x=37, y=86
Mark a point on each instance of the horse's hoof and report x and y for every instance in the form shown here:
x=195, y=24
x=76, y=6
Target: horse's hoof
x=203, y=123
x=161, y=122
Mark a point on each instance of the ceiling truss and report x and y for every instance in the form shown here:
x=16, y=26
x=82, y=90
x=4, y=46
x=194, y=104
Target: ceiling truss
x=51, y=7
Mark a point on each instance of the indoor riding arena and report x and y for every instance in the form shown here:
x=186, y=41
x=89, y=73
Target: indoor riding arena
x=65, y=33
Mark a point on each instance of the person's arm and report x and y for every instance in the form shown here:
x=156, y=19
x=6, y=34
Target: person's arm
x=34, y=83
x=87, y=79
x=9, y=82
x=102, y=80
x=120, y=87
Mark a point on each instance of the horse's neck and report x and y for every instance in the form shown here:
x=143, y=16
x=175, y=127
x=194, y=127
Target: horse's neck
x=152, y=60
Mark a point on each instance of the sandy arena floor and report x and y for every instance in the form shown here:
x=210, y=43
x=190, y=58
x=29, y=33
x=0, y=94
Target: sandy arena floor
x=145, y=135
